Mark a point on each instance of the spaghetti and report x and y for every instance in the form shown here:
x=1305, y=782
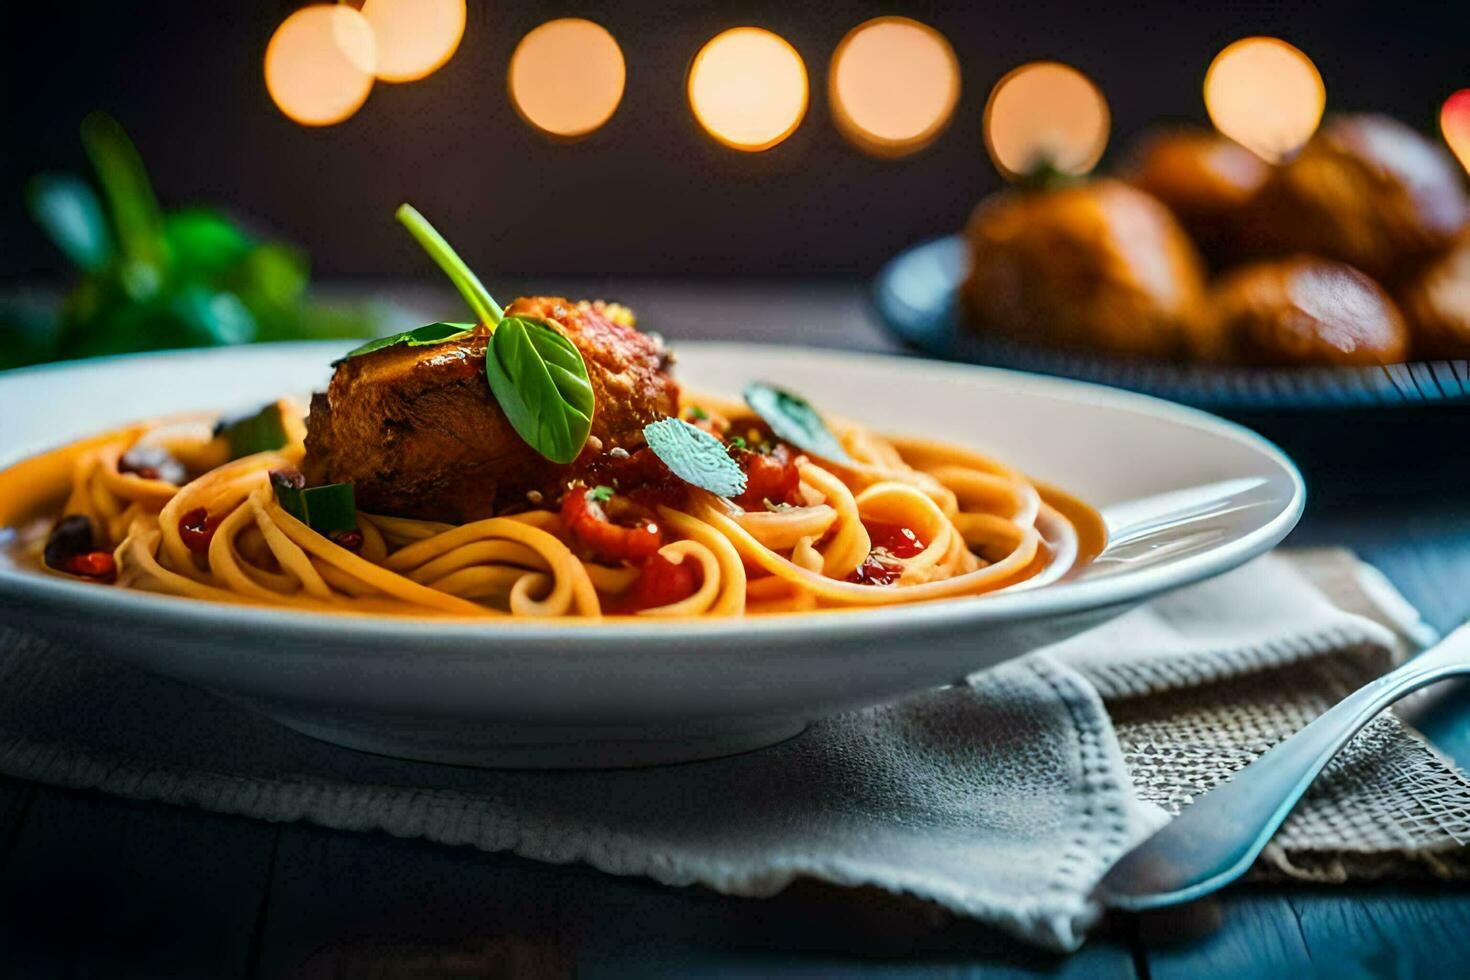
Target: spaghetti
x=903, y=520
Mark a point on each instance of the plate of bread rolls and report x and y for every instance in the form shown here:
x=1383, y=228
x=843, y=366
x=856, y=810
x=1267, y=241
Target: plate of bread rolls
x=1201, y=273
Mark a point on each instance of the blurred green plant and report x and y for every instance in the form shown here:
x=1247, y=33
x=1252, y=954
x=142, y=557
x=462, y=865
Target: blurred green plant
x=154, y=279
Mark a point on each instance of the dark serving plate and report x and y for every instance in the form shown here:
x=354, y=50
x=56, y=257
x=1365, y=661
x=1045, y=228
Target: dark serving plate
x=916, y=297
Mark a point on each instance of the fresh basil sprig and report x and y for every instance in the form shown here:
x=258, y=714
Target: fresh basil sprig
x=429, y=333
x=536, y=374
x=539, y=379
x=695, y=456
x=793, y=420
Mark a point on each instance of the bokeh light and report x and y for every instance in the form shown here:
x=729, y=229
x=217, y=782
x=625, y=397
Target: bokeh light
x=748, y=88
x=319, y=64
x=1046, y=115
x=1266, y=95
x=414, y=37
x=1454, y=123
x=567, y=76
x=893, y=85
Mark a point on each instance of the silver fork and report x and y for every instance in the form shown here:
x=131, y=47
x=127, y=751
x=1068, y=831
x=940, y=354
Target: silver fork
x=1215, y=840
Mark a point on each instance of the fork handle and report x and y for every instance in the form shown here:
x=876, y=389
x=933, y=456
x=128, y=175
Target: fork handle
x=1215, y=840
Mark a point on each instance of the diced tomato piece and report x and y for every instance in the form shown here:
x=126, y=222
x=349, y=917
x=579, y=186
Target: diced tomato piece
x=876, y=571
x=635, y=538
x=660, y=583
x=197, y=529
x=98, y=565
x=896, y=540
x=769, y=476
x=641, y=476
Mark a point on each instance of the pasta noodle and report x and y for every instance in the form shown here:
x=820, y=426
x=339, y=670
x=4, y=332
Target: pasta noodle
x=975, y=526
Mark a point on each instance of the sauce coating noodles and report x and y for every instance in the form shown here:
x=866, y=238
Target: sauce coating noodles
x=976, y=525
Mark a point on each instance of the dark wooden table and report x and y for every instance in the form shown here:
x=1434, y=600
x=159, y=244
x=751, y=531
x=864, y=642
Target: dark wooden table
x=92, y=885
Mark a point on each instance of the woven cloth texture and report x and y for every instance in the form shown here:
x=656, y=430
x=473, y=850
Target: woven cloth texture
x=1005, y=799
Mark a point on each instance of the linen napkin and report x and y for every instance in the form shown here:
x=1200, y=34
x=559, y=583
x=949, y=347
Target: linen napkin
x=1004, y=799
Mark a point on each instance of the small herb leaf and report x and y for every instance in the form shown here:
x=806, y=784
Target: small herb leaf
x=601, y=494
x=541, y=383
x=695, y=456
x=793, y=420
x=68, y=210
x=430, y=333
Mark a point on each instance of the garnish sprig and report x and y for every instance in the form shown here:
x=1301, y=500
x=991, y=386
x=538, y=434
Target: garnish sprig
x=794, y=420
x=536, y=374
x=695, y=456
x=486, y=310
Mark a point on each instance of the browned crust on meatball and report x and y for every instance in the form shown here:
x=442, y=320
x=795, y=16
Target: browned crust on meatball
x=1093, y=266
x=419, y=433
x=1306, y=310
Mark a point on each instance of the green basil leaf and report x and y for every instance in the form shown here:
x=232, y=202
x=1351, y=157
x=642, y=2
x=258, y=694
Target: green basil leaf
x=793, y=420
x=272, y=273
x=136, y=218
x=68, y=211
x=695, y=456
x=202, y=243
x=541, y=383
x=206, y=318
x=429, y=333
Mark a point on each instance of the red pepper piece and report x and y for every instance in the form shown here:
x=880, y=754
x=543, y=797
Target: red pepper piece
x=98, y=565
x=769, y=476
x=660, y=583
x=197, y=529
x=593, y=532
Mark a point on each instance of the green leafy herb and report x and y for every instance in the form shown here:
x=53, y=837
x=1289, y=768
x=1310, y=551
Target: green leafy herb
x=135, y=213
x=474, y=292
x=536, y=374
x=698, y=414
x=154, y=278
x=540, y=380
x=68, y=211
x=794, y=420
x=695, y=456
x=430, y=333
x=601, y=494
x=736, y=442
x=325, y=509
x=259, y=433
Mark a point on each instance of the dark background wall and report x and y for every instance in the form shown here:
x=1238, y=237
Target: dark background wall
x=648, y=194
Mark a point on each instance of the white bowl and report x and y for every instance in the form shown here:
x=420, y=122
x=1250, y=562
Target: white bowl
x=1186, y=496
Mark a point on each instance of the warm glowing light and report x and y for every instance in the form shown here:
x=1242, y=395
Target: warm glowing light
x=566, y=77
x=1046, y=114
x=1454, y=122
x=1266, y=95
x=893, y=85
x=748, y=88
x=319, y=64
x=415, y=37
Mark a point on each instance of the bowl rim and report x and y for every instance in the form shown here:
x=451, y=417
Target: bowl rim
x=1126, y=588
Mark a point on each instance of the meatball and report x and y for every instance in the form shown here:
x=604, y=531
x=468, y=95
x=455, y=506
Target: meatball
x=1367, y=190
x=1305, y=310
x=419, y=434
x=1089, y=266
x=1206, y=180
x=1437, y=303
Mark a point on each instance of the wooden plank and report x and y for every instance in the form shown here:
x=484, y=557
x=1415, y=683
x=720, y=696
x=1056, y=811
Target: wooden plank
x=96, y=885
x=15, y=802
x=1389, y=932
x=1258, y=935
x=343, y=901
